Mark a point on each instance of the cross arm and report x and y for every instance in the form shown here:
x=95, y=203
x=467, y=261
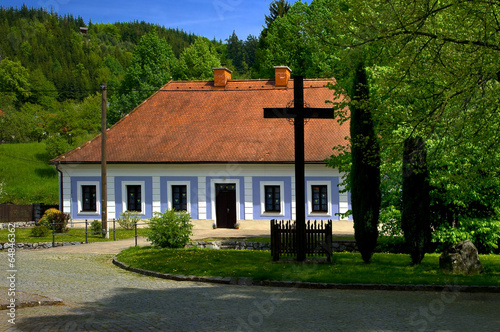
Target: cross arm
x=310, y=113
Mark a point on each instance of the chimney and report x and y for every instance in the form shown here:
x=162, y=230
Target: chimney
x=282, y=76
x=221, y=76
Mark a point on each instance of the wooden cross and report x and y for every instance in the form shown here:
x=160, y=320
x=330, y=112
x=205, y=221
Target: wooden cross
x=299, y=113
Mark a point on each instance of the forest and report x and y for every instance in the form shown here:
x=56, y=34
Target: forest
x=424, y=75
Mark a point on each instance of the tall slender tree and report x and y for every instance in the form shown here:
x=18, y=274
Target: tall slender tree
x=415, y=217
x=365, y=167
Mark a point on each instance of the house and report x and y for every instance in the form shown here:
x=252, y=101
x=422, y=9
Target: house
x=205, y=147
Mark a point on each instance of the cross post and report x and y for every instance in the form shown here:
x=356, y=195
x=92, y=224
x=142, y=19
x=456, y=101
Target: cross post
x=299, y=112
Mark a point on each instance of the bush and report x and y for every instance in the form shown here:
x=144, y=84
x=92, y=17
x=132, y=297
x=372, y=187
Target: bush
x=171, y=229
x=56, y=217
x=96, y=227
x=128, y=219
x=483, y=232
x=390, y=222
x=40, y=231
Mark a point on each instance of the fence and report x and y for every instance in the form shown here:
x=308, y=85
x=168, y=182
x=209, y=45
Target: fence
x=284, y=238
x=90, y=231
x=11, y=213
x=21, y=213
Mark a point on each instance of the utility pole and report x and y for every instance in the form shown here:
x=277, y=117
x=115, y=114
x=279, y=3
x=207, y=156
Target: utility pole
x=104, y=181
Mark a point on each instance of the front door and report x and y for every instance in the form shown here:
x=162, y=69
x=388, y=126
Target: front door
x=225, y=205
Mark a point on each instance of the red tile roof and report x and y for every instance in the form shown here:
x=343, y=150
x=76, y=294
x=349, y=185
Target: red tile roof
x=193, y=122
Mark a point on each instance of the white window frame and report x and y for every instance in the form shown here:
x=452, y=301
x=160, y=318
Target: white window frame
x=263, y=212
x=328, y=185
x=143, y=195
x=170, y=194
x=79, y=185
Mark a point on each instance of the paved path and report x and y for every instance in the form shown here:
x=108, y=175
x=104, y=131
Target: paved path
x=100, y=297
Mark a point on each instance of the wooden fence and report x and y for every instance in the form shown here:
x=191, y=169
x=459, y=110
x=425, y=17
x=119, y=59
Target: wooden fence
x=20, y=213
x=284, y=238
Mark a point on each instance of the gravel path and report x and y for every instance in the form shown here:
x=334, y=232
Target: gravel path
x=100, y=297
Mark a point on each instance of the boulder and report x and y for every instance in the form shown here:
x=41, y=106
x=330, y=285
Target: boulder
x=461, y=258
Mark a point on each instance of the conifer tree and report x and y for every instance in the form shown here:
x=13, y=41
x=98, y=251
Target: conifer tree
x=365, y=167
x=415, y=216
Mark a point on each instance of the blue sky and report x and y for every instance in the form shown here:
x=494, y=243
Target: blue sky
x=209, y=18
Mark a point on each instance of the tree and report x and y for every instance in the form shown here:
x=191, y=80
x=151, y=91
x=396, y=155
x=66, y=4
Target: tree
x=277, y=8
x=235, y=52
x=415, y=218
x=14, y=80
x=197, y=61
x=433, y=75
x=152, y=66
x=365, y=172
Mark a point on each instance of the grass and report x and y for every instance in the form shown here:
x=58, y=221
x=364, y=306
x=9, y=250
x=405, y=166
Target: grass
x=267, y=239
x=345, y=267
x=23, y=235
x=26, y=175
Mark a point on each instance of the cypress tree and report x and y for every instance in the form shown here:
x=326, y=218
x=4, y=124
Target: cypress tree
x=365, y=167
x=415, y=215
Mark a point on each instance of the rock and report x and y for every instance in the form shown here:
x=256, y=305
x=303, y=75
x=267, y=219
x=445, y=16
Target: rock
x=461, y=258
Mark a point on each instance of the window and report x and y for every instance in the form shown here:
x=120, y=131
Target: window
x=273, y=199
x=134, y=198
x=179, y=198
x=89, y=199
x=319, y=198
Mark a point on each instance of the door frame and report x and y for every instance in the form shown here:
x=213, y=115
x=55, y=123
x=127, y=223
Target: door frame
x=213, y=182
x=230, y=204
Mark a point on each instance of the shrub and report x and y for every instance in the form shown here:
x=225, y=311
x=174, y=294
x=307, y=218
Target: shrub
x=390, y=222
x=40, y=231
x=128, y=219
x=483, y=232
x=96, y=227
x=56, y=217
x=171, y=229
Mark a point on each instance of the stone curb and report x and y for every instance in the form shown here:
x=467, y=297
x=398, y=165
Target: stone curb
x=309, y=285
x=37, y=245
x=35, y=301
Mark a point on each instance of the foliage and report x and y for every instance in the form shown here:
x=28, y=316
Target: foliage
x=483, y=232
x=56, y=146
x=128, y=219
x=197, y=61
x=152, y=66
x=96, y=227
x=390, y=222
x=171, y=229
x=40, y=231
x=365, y=172
x=26, y=175
x=56, y=220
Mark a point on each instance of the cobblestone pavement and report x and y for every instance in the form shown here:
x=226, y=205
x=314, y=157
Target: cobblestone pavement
x=100, y=297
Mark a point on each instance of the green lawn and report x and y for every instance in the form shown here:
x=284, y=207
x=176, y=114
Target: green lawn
x=345, y=267
x=23, y=235
x=26, y=174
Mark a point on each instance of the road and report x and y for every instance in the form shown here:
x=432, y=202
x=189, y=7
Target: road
x=101, y=297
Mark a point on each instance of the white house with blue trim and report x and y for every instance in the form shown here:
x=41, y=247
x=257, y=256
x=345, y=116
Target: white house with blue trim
x=205, y=147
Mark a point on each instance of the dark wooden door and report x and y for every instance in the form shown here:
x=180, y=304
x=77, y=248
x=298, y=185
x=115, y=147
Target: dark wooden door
x=225, y=205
